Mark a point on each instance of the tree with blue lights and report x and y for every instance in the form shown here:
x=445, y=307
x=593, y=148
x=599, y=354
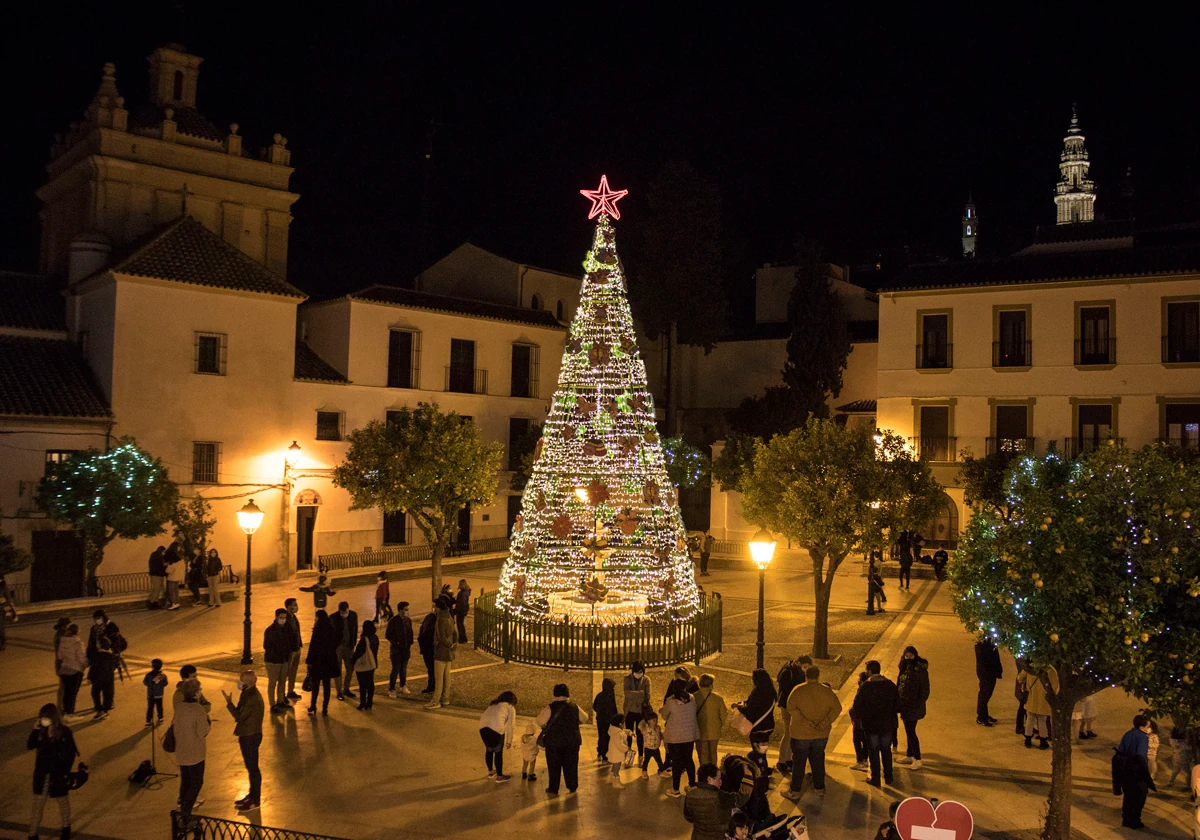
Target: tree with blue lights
x=1087, y=574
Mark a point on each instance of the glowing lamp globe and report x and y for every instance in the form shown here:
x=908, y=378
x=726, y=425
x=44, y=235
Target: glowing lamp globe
x=250, y=516
x=762, y=548
x=581, y=493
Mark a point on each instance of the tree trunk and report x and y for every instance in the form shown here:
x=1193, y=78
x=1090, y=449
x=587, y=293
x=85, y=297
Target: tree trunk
x=93, y=556
x=439, y=551
x=1058, y=813
x=821, y=590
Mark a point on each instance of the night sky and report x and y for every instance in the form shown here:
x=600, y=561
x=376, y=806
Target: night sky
x=865, y=132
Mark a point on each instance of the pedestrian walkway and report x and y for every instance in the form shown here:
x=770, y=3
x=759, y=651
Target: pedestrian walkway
x=403, y=771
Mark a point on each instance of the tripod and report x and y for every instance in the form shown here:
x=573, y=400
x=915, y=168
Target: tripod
x=155, y=779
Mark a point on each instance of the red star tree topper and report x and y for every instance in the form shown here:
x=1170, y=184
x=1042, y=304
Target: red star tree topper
x=604, y=200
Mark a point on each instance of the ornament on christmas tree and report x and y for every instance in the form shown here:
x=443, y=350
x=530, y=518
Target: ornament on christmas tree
x=602, y=539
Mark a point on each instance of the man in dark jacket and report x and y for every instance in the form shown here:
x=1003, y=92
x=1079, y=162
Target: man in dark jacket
x=1131, y=772
x=708, y=808
x=988, y=669
x=399, y=634
x=876, y=706
x=462, y=608
x=791, y=675
x=560, y=722
x=345, y=633
x=604, y=708
x=425, y=645
x=277, y=652
x=248, y=722
x=296, y=643
x=158, y=576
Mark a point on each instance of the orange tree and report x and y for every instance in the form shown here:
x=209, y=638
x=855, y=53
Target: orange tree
x=424, y=463
x=1083, y=575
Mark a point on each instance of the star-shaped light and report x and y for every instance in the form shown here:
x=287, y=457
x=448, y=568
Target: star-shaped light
x=604, y=200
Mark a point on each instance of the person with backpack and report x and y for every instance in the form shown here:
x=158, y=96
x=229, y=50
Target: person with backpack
x=56, y=752
x=213, y=568
x=399, y=634
x=425, y=646
x=320, y=591
x=560, y=721
x=791, y=675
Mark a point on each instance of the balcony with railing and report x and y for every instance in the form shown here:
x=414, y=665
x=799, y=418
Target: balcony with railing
x=1180, y=348
x=465, y=380
x=935, y=356
x=1076, y=446
x=1186, y=445
x=939, y=449
x=1011, y=445
x=1096, y=351
x=1012, y=353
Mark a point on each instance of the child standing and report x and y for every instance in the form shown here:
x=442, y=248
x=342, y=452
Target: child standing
x=383, y=597
x=155, y=682
x=529, y=753
x=651, y=742
x=618, y=742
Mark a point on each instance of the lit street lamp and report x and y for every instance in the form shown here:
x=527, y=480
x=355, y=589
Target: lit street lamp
x=249, y=517
x=762, y=549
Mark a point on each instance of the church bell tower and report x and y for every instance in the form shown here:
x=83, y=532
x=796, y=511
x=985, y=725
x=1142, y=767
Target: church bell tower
x=970, y=228
x=1075, y=195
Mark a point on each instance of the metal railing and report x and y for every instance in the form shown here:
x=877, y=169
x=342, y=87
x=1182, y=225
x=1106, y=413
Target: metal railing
x=465, y=380
x=940, y=449
x=731, y=548
x=587, y=645
x=405, y=554
x=1011, y=446
x=1012, y=353
x=198, y=827
x=1180, y=348
x=935, y=356
x=1184, y=446
x=1096, y=351
x=120, y=584
x=1075, y=446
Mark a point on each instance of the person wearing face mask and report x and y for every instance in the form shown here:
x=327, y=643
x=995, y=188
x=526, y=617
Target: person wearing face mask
x=322, y=660
x=72, y=663
x=296, y=643
x=212, y=570
x=399, y=634
x=102, y=668
x=345, y=630
x=913, y=686
x=277, y=652
x=248, y=722
x=366, y=660
x=191, y=734
x=56, y=753
x=636, y=686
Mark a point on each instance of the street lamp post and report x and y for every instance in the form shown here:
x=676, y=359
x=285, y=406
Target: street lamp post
x=762, y=549
x=249, y=517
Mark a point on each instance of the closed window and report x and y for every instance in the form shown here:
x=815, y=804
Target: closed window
x=525, y=362
x=210, y=354
x=1182, y=341
x=934, y=349
x=1011, y=349
x=404, y=359
x=934, y=442
x=206, y=456
x=461, y=376
x=329, y=425
x=1096, y=346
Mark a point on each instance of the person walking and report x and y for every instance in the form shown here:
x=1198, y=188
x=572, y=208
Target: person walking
x=345, y=630
x=812, y=707
x=158, y=577
x=191, y=727
x=399, y=634
x=276, y=655
x=425, y=646
x=711, y=713
x=680, y=732
x=366, y=660
x=175, y=574
x=790, y=676
x=706, y=547
x=913, y=687
x=708, y=807
x=323, y=663
x=214, y=566
x=1037, y=709
x=604, y=708
x=248, y=727
x=462, y=608
x=876, y=704
x=988, y=669
x=56, y=752
x=72, y=662
x=1131, y=772
x=759, y=707
x=875, y=586
x=636, y=688
x=320, y=591
x=383, y=599
x=295, y=645
x=560, y=721
x=445, y=643
x=496, y=726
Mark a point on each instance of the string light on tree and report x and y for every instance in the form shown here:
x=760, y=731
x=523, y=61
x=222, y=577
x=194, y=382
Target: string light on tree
x=600, y=534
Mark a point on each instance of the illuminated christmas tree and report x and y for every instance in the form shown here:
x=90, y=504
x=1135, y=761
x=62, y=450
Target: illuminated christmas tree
x=600, y=535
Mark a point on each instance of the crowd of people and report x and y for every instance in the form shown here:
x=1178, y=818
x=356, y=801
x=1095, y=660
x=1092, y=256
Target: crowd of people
x=172, y=568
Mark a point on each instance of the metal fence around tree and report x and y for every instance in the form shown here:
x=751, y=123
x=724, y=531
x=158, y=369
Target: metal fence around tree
x=585, y=645
x=198, y=827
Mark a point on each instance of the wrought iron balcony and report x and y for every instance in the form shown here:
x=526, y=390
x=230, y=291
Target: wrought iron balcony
x=1011, y=445
x=1076, y=446
x=1096, y=351
x=935, y=356
x=939, y=449
x=465, y=380
x=1012, y=353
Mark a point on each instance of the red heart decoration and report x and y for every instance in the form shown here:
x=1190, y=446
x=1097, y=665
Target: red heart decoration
x=916, y=819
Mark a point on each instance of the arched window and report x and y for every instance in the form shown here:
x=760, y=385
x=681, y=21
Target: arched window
x=178, y=93
x=560, y=311
x=536, y=302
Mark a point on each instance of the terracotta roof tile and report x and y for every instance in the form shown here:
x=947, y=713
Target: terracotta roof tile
x=31, y=302
x=312, y=367
x=46, y=377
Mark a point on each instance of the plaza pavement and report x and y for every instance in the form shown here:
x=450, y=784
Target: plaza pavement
x=401, y=771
